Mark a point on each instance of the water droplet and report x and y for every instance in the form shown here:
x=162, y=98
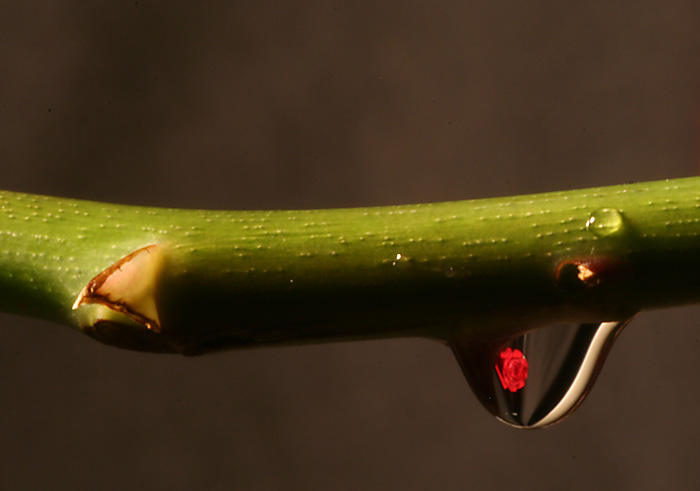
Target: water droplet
x=605, y=222
x=541, y=377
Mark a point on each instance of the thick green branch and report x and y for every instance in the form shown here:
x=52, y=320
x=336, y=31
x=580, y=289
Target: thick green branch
x=190, y=281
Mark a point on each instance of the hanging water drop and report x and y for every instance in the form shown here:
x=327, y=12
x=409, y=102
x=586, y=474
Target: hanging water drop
x=538, y=378
x=605, y=222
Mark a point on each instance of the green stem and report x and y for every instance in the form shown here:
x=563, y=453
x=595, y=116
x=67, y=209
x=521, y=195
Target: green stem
x=203, y=280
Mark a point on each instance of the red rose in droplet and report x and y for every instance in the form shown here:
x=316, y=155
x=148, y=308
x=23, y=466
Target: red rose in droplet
x=511, y=368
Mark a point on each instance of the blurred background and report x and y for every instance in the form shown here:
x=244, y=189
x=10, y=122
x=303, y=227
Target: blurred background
x=274, y=104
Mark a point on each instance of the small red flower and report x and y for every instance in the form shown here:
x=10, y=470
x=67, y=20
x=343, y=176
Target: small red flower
x=511, y=367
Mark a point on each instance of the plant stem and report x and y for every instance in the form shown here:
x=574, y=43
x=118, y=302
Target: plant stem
x=191, y=281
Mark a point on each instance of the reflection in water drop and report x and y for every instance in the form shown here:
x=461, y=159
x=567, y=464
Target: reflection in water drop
x=512, y=368
x=605, y=222
x=541, y=377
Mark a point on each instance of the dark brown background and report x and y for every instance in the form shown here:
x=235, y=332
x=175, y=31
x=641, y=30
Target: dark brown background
x=324, y=104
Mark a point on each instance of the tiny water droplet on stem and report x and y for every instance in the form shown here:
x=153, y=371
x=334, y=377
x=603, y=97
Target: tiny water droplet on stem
x=605, y=222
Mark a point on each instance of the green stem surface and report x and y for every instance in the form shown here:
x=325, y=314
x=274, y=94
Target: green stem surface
x=219, y=279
